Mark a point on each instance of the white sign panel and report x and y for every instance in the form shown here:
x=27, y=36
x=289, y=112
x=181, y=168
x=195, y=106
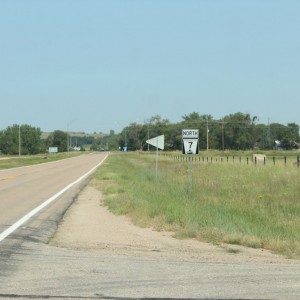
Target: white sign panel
x=190, y=139
x=53, y=150
x=190, y=146
x=158, y=142
x=190, y=133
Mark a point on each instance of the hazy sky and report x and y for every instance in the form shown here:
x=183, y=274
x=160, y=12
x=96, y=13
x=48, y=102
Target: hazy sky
x=93, y=65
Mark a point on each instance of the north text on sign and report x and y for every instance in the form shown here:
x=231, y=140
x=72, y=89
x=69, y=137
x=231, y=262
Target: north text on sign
x=190, y=133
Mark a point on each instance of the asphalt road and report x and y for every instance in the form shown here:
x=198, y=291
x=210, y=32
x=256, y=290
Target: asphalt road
x=32, y=269
x=24, y=189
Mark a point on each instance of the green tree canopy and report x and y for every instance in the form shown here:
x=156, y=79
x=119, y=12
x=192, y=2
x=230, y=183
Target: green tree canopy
x=25, y=138
x=58, y=139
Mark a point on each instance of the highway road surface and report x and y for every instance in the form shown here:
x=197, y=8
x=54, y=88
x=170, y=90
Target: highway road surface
x=32, y=203
x=23, y=190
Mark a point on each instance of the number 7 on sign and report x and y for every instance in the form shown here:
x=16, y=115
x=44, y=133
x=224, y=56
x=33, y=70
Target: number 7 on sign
x=190, y=146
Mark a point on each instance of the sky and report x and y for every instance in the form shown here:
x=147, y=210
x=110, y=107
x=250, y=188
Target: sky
x=99, y=65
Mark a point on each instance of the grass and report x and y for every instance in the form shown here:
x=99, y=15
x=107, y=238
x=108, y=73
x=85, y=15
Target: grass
x=257, y=207
x=8, y=162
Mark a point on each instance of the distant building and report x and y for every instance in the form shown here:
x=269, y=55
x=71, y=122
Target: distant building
x=277, y=145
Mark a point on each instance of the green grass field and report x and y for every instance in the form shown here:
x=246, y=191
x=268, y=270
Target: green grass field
x=235, y=203
x=8, y=162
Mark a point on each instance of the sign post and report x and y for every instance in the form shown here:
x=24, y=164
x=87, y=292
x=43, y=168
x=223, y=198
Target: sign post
x=159, y=143
x=190, y=146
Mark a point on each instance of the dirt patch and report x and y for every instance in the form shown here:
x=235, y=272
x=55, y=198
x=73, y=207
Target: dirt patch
x=88, y=225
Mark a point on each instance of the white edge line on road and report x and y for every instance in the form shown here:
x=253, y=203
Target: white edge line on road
x=29, y=215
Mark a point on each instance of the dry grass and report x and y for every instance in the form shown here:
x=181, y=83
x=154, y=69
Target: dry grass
x=229, y=203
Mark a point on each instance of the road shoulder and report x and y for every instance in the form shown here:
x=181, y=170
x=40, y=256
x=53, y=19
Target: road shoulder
x=88, y=225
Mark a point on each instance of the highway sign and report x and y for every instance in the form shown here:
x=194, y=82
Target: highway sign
x=190, y=141
x=190, y=133
x=190, y=146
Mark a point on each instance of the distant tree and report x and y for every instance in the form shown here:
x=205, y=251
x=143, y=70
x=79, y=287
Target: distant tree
x=58, y=139
x=294, y=131
x=30, y=140
x=237, y=131
x=106, y=142
x=132, y=137
x=194, y=116
x=9, y=143
x=287, y=135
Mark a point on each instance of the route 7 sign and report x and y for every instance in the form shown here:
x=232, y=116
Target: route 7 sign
x=190, y=139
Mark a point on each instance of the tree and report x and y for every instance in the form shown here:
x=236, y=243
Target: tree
x=132, y=137
x=293, y=131
x=26, y=137
x=194, y=116
x=58, y=139
x=288, y=135
x=237, y=131
x=135, y=135
x=106, y=142
x=31, y=139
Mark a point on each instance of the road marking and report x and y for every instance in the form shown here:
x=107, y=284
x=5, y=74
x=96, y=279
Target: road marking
x=29, y=215
x=10, y=177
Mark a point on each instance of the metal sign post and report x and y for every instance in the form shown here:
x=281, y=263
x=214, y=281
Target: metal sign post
x=191, y=173
x=159, y=143
x=190, y=146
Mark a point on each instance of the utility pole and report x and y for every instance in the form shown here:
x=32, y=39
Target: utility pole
x=207, y=131
x=269, y=133
x=68, y=135
x=148, y=136
x=223, y=146
x=68, y=142
x=19, y=140
x=126, y=139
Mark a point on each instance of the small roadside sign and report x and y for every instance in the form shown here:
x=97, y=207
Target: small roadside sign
x=190, y=139
x=190, y=146
x=53, y=150
x=158, y=142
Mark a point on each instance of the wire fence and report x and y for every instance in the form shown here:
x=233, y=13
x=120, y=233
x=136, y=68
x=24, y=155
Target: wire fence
x=248, y=160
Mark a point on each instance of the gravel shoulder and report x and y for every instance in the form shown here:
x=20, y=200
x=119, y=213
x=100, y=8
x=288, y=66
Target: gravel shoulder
x=88, y=225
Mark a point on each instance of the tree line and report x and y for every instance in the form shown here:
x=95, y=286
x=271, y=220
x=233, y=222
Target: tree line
x=238, y=131
x=27, y=140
